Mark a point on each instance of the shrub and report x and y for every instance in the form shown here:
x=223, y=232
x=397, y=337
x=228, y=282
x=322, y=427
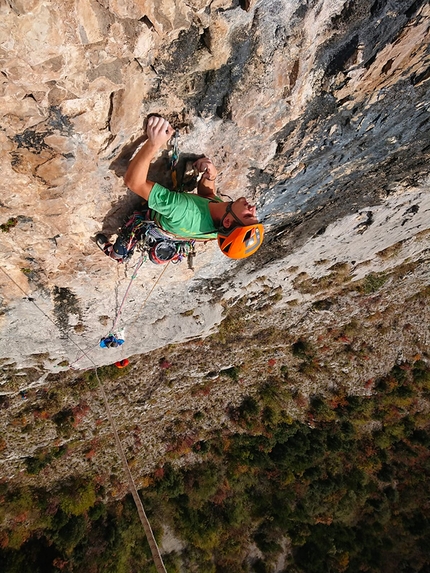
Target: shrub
x=373, y=282
x=421, y=375
x=302, y=349
x=232, y=372
x=10, y=224
x=64, y=420
x=43, y=458
x=78, y=497
x=247, y=414
x=320, y=409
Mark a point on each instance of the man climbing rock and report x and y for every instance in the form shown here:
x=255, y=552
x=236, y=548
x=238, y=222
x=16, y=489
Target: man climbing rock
x=188, y=215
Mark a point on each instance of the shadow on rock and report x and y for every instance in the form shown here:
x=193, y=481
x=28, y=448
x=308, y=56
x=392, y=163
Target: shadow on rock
x=129, y=202
x=120, y=212
x=120, y=164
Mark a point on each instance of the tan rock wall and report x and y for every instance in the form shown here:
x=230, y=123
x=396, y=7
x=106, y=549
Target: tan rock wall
x=297, y=103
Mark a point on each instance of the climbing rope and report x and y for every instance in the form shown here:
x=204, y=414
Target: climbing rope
x=128, y=324
x=155, y=551
x=149, y=294
x=118, y=314
x=133, y=276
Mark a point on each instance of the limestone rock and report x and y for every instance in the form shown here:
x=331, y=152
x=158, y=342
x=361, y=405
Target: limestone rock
x=316, y=111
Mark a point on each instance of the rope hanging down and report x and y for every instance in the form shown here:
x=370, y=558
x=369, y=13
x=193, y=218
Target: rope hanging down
x=115, y=321
x=133, y=276
x=114, y=339
x=105, y=341
x=155, y=551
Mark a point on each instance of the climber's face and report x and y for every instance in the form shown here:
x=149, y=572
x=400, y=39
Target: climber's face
x=243, y=212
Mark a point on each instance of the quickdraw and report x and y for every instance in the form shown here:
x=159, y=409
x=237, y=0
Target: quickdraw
x=174, y=158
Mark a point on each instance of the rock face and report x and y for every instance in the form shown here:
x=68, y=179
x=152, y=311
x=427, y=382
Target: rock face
x=317, y=110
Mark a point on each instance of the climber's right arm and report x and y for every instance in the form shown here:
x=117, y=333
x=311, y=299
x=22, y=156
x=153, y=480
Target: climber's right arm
x=159, y=131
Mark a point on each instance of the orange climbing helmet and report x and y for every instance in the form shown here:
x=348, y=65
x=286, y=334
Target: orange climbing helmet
x=240, y=242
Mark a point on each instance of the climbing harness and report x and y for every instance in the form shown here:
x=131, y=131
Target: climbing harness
x=142, y=234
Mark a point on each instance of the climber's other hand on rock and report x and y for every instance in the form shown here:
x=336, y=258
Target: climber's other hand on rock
x=205, y=165
x=159, y=131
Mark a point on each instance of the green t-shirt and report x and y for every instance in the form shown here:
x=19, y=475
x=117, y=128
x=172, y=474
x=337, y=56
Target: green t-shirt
x=185, y=215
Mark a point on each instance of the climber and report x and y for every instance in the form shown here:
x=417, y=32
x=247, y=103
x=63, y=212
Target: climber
x=189, y=215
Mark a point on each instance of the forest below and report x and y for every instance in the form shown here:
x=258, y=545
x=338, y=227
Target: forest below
x=346, y=486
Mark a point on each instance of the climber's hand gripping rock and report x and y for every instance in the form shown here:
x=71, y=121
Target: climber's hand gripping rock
x=204, y=165
x=159, y=131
